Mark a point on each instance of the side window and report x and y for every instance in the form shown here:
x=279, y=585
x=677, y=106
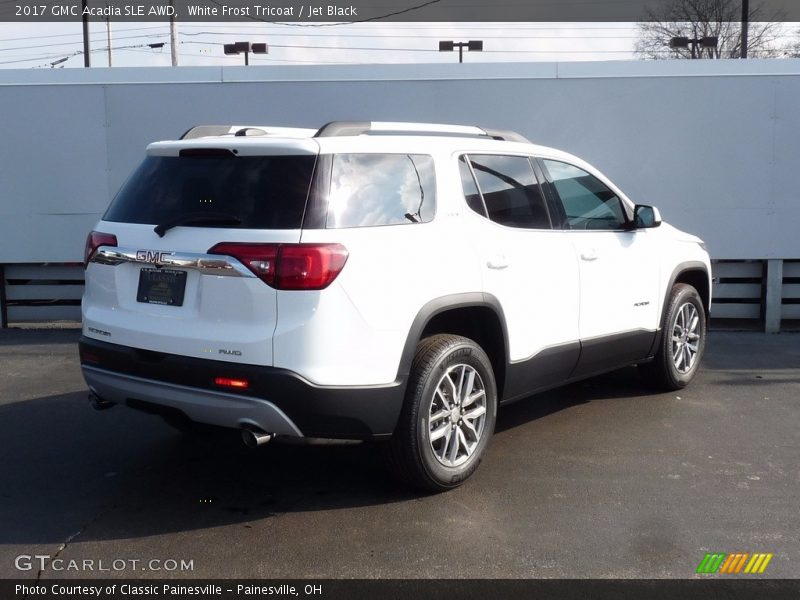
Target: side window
x=381, y=189
x=510, y=191
x=588, y=202
x=471, y=193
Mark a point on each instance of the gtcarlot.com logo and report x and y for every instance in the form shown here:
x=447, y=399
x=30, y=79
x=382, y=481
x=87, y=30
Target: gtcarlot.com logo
x=27, y=562
x=734, y=564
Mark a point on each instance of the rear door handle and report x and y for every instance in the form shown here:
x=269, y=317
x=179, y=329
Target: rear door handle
x=589, y=254
x=497, y=263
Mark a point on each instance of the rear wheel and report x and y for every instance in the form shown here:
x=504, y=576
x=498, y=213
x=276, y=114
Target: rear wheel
x=683, y=340
x=448, y=416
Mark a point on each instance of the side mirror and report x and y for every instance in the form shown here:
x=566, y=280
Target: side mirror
x=645, y=217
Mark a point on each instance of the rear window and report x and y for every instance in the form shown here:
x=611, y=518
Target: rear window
x=257, y=192
x=381, y=189
x=510, y=191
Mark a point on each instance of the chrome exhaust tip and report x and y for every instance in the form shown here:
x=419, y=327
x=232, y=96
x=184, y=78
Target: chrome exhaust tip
x=254, y=439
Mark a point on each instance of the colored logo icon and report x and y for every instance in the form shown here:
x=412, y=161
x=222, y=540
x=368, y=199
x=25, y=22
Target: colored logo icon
x=734, y=564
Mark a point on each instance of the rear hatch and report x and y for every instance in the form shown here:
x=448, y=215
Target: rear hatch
x=155, y=280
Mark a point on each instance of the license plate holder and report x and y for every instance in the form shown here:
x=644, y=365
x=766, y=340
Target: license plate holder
x=161, y=286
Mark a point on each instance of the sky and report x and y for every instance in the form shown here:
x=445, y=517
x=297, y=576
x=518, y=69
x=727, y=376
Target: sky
x=38, y=45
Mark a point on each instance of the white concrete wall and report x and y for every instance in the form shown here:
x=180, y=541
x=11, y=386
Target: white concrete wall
x=713, y=144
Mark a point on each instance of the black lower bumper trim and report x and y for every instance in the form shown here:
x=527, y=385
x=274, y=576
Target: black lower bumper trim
x=324, y=412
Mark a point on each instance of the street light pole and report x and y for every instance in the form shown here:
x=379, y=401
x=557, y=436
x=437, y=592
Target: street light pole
x=246, y=48
x=685, y=42
x=472, y=46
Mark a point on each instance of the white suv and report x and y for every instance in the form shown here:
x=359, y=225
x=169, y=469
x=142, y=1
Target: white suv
x=378, y=281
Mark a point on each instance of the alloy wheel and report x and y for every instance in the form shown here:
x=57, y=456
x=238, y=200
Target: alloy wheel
x=457, y=415
x=685, y=337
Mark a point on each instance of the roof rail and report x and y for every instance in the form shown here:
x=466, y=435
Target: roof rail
x=507, y=135
x=201, y=131
x=350, y=128
x=205, y=131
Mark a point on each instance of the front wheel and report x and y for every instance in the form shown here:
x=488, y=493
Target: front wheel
x=683, y=340
x=448, y=416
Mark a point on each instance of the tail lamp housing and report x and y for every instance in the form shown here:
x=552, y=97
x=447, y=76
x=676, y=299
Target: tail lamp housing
x=289, y=266
x=94, y=240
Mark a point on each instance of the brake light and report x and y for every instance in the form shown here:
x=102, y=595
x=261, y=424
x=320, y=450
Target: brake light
x=89, y=357
x=259, y=258
x=309, y=266
x=94, y=240
x=289, y=266
x=239, y=384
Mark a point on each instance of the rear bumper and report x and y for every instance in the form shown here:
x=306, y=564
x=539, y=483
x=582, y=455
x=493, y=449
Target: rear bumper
x=203, y=406
x=276, y=400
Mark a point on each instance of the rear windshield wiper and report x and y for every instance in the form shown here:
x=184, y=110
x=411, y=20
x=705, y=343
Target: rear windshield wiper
x=187, y=219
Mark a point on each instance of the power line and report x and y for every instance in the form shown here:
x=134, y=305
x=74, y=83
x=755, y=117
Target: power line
x=55, y=35
x=264, y=59
x=432, y=36
x=425, y=26
x=72, y=54
x=9, y=62
x=377, y=49
x=129, y=37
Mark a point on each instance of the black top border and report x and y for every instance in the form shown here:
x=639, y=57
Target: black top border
x=329, y=13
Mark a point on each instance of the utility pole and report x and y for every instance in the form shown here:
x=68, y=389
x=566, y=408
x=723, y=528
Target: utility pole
x=745, y=26
x=87, y=61
x=108, y=36
x=173, y=37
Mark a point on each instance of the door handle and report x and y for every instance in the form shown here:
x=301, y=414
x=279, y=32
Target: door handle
x=589, y=254
x=497, y=263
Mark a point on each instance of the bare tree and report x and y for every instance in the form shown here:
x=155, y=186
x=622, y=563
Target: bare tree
x=793, y=51
x=697, y=19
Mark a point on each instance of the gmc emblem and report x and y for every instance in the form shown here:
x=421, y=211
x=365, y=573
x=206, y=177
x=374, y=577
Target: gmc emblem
x=152, y=256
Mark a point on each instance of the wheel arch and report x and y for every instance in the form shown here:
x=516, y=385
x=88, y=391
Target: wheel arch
x=477, y=316
x=694, y=273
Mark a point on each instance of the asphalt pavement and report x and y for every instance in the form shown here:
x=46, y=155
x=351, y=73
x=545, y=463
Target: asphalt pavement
x=604, y=478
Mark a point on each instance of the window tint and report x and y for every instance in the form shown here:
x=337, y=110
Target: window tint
x=258, y=192
x=471, y=193
x=510, y=191
x=381, y=189
x=588, y=203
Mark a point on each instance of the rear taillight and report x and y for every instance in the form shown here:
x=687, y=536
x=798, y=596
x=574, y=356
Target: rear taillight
x=89, y=357
x=94, y=240
x=309, y=266
x=237, y=384
x=259, y=258
x=289, y=266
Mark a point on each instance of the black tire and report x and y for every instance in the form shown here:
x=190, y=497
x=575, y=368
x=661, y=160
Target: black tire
x=411, y=452
x=663, y=372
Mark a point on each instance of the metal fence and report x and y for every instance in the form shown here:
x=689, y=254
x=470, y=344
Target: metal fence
x=748, y=294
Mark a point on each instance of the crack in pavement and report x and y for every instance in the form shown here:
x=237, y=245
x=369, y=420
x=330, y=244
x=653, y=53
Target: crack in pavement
x=70, y=539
